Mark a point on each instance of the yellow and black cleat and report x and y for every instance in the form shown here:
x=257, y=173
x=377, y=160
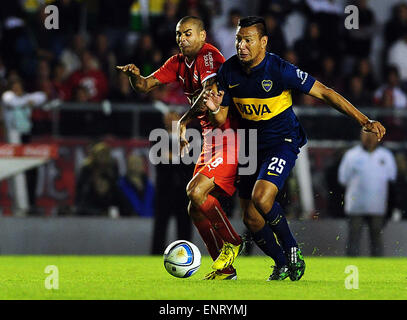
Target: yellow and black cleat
x=218, y=275
x=226, y=257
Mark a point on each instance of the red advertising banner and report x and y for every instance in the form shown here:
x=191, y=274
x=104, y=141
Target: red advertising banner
x=29, y=150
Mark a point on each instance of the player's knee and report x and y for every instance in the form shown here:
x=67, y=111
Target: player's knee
x=195, y=194
x=262, y=202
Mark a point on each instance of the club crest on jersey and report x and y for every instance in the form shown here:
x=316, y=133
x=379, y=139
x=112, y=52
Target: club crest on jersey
x=267, y=85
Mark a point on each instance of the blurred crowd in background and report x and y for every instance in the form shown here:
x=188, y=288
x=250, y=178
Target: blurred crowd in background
x=76, y=63
x=95, y=36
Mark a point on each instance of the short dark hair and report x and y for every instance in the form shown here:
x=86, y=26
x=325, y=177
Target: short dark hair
x=254, y=21
x=198, y=21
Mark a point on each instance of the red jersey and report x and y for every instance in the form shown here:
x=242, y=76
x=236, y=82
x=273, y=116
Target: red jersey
x=191, y=76
x=94, y=81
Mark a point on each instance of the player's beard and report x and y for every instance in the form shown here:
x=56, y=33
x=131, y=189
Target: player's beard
x=247, y=63
x=189, y=52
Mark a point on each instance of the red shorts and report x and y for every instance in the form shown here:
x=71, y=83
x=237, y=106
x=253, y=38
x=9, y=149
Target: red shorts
x=221, y=165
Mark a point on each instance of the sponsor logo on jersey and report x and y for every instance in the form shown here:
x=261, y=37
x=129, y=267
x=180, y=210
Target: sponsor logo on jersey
x=263, y=109
x=233, y=85
x=208, y=60
x=254, y=108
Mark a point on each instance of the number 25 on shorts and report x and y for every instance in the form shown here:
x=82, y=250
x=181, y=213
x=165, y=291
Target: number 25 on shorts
x=276, y=165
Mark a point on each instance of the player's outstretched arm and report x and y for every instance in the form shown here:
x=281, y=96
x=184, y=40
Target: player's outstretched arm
x=137, y=81
x=337, y=101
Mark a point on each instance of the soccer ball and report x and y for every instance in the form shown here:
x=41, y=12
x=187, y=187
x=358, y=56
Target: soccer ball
x=182, y=259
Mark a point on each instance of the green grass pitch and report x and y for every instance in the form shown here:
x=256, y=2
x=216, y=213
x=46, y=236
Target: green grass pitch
x=144, y=278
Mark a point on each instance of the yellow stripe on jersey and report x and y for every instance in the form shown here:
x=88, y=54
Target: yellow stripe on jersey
x=256, y=109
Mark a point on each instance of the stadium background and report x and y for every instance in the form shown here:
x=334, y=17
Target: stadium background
x=88, y=102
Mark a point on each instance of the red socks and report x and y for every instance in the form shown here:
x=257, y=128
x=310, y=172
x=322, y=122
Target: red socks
x=212, y=209
x=210, y=237
x=212, y=241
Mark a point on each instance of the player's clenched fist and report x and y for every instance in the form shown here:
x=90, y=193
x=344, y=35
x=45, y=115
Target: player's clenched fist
x=375, y=127
x=129, y=69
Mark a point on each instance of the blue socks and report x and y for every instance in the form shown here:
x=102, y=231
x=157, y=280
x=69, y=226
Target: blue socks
x=266, y=241
x=276, y=220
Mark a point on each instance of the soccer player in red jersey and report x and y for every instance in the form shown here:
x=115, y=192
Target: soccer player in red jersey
x=195, y=69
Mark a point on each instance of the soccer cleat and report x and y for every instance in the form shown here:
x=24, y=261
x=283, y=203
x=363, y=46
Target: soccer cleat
x=227, y=256
x=247, y=244
x=296, y=264
x=279, y=273
x=218, y=275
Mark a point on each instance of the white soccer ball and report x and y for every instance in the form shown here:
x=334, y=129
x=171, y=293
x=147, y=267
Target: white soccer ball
x=182, y=259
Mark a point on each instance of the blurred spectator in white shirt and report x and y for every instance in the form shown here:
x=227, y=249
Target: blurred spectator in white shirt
x=398, y=58
x=225, y=36
x=71, y=56
x=17, y=109
x=366, y=172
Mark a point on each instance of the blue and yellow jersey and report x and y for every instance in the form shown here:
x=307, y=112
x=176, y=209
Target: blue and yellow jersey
x=263, y=98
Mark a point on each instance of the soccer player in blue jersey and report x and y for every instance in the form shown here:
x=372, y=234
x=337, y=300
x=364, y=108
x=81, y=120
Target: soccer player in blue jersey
x=258, y=85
